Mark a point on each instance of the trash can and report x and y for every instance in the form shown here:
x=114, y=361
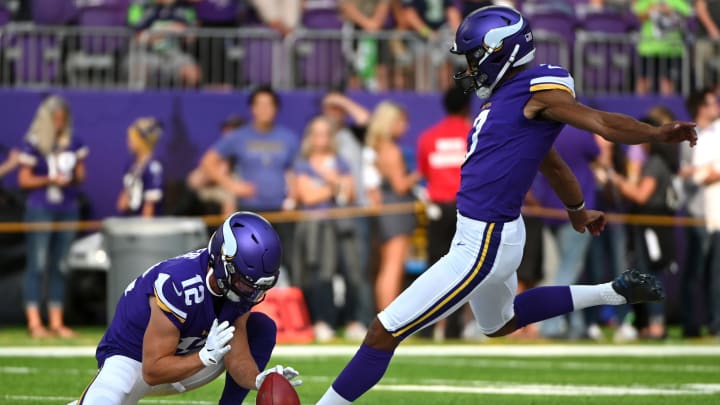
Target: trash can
x=135, y=244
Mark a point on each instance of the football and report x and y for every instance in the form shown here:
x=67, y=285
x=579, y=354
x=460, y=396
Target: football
x=277, y=390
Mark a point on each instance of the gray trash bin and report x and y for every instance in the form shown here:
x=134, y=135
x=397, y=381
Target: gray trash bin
x=135, y=244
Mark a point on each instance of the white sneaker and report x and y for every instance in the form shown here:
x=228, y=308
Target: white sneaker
x=594, y=332
x=471, y=331
x=323, y=332
x=355, y=331
x=625, y=333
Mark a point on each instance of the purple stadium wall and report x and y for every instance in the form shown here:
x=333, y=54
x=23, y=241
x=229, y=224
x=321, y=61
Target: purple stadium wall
x=191, y=122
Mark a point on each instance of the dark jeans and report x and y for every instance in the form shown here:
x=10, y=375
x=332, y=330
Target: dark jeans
x=715, y=283
x=607, y=250
x=696, y=266
x=46, y=252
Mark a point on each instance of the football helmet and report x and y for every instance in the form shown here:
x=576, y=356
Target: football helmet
x=493, y=39
x=245, y=254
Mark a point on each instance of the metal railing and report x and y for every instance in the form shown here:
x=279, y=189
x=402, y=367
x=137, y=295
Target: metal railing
x=118, y=58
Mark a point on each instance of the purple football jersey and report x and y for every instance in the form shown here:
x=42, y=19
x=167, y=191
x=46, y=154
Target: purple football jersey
x=505, y=148
x=60, y=162
x=143, y=183
x=179, y=288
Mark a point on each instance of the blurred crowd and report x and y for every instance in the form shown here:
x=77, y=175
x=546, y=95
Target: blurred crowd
x=387, y=41
x=349, y=156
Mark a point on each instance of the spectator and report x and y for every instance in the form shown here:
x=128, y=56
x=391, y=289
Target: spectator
x=51, y=167
x=436, y=25
x=349, y=137
x=579, y=150
x=609, y=249
x=372, y=54
x=706, y=174
x=654, y=245
x=143, y=181
x=468, y=6
x=207, y=190
x=282, y=16
x=10, y=161
x=637, y=154
x=706, y=45
x=388, y=182
x=661, y=43
x=264, y=153
x=440, y=153
x=324, y=181
x=530, y=272
x=160, y=28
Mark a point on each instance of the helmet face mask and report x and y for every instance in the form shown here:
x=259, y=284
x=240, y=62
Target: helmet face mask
x=245, y=257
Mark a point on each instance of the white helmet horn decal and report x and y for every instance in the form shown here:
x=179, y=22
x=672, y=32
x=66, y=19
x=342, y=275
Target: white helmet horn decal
x=493, y=39
x=229, y=247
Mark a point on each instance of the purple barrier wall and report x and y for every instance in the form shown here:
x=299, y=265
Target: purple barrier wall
x=191, y=122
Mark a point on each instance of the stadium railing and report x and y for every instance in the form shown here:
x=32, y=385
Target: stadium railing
x=607, y=63
x=118, y=58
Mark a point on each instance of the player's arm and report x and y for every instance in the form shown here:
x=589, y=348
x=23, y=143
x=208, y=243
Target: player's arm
x=639, y=192
x=560, y=105
x=566, y=186
x=159, y=363
x=239, y=362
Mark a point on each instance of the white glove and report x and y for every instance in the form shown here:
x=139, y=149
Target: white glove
x=288, y=372
x=216, y=344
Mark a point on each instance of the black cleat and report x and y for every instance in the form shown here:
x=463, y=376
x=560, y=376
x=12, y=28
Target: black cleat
x=638, y=287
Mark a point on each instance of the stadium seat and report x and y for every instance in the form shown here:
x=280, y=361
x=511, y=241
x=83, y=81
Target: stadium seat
x=607, y=64
x=104, y=13
x=214, y=12
x=34, y=59
x=5, y=15
x=320, y=61
x=53, y=12
x=561, y=27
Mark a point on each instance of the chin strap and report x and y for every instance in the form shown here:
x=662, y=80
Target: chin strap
x=486, y=91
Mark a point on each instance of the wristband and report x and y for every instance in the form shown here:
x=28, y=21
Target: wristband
x=576, y=208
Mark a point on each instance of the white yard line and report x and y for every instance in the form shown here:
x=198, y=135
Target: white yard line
x=480, y=350
x=555, y=390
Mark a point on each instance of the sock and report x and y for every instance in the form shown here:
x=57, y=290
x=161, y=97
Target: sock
x=540, y=303
x=584, y=296
x=363, y=371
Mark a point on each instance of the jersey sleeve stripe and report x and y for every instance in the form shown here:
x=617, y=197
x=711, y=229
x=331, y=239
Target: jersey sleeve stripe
x=567, y=82
x=548, y=86
x=163, y=302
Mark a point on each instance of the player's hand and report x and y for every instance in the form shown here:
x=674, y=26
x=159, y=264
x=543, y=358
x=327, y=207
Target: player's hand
x=288, y=372
x=593, y=220
x=216, y=345
x=678, y=131
x=242, y=189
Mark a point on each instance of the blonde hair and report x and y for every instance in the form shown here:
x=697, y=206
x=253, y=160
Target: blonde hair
x=382, y=120
x=306, y=145
x=147, y=131
x=42, y=131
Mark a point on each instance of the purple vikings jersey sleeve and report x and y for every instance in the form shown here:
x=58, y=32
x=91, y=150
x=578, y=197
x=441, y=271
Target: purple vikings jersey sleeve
x=179, y=289
x=152, y=179
x=505, y=148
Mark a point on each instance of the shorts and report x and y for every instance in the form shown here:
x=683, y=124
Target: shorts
x=661, y=66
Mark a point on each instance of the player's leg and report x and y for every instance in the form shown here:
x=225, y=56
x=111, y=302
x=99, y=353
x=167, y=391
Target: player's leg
x=261, y=334
x=118, y=382
x=439, y=291
x=542, y=303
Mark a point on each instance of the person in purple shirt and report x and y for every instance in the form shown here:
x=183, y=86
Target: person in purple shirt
x=188, y=319
x=143, y=180
x=324, y=181
x=524, y=109
x=51, y=168
x=579, y=150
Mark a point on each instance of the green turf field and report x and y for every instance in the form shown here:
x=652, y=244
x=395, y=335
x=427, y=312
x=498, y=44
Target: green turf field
x=421, y=373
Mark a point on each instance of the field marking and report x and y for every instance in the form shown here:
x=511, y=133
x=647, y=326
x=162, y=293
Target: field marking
x=555, y=390
x=439, y=350
x=42, y=398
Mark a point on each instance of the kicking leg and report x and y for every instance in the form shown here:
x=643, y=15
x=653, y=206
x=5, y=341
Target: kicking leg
x=542, y=303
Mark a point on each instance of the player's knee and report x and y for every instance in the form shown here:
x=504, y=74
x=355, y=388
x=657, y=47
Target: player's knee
x=262, y=325
x=379, y=338
x=505, y=330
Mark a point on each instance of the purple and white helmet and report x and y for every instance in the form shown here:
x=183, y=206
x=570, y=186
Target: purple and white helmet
x=493, y=39
x=245, y=254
